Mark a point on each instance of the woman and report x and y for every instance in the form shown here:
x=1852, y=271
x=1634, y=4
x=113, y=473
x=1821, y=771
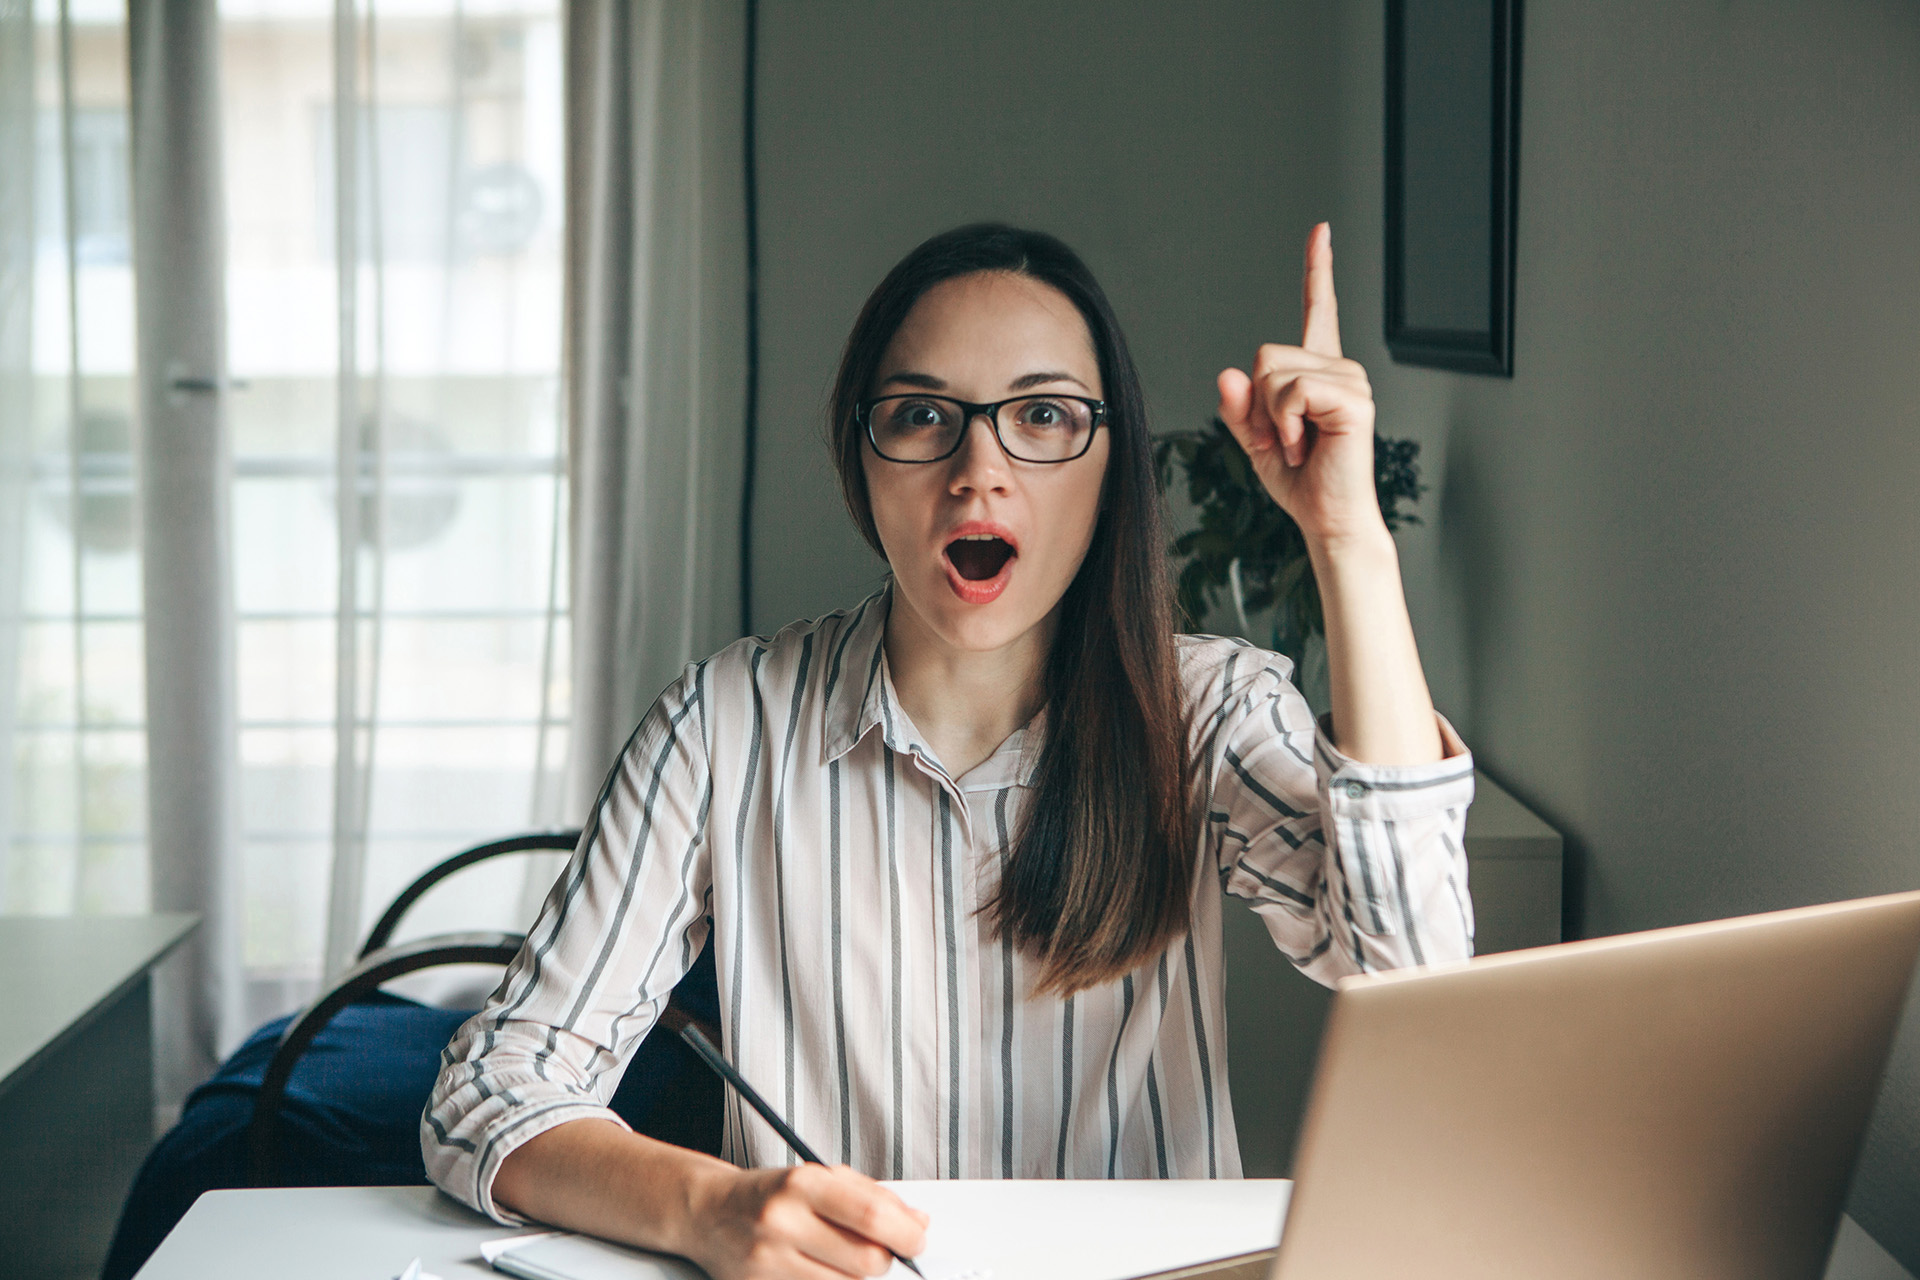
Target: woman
x=960, y=850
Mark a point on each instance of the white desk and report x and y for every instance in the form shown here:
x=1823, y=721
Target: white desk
x=76, y=1081
x=370, y=1233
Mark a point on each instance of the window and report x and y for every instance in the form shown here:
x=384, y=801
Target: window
x=456, y=637
x=460, y=647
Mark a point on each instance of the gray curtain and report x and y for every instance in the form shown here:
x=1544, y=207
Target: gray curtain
x=656, y=331
x=185, y=465
x=16, y=363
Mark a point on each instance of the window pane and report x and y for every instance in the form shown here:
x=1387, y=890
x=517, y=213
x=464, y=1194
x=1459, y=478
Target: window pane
x=284, y=545
x=286, y=670
x=459, y=491
x=285, y=884
x=463, y=669
x=72, y=826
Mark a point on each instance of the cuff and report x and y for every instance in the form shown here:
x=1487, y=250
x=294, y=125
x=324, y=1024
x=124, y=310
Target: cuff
x=1355, y=789
x=515, y=1130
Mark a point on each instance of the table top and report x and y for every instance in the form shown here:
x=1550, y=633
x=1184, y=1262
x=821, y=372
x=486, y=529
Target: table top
x=371, y=1233
x=1499, y=826
x=343, y=1233
x=63, y=970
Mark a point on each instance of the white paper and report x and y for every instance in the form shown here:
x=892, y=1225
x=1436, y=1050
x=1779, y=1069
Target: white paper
x=1089, y=1230
x=562, y=1254
x=1005, y=1230
x=491, y=1249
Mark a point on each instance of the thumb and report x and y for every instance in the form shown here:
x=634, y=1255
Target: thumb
x=1236, y=407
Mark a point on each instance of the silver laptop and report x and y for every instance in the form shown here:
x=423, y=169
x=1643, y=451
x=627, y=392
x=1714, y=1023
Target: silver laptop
x=1686, y=1103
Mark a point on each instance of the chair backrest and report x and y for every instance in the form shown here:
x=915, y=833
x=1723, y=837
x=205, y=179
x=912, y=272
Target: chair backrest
x=381, y=961
x=382, y=932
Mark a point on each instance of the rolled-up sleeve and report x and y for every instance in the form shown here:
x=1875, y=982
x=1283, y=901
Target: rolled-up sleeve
x=619, y=929
x=1353, y=867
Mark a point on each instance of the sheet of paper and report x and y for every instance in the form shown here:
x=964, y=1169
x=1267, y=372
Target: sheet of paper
x=560, y=1255
x=1089, y=1230
x=995, y=1230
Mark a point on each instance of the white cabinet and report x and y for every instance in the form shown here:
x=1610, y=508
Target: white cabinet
x=1274, y=1015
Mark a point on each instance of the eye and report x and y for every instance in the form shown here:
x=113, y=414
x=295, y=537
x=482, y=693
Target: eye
x=1050, y=415
x=915, y=415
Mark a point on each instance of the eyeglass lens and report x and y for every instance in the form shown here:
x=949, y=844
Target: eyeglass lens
x=1032, y=429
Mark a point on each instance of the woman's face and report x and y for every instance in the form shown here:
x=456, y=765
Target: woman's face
x=982, y=545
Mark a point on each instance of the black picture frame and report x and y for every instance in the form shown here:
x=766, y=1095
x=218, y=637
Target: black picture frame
x=1457, y=159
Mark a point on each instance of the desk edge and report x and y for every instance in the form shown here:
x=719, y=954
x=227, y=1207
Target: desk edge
x=185, y=924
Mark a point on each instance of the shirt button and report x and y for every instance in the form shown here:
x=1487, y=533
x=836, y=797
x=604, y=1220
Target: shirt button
x=1356, y=790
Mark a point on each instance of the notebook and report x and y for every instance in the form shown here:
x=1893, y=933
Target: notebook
x=1002, y=1230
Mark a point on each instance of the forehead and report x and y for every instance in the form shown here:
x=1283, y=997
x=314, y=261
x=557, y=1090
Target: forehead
x=986, y=329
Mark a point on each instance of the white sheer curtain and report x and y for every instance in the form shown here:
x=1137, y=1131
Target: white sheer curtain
x=306, y=561
x=400, y=486
x=657, y=298
x=17, y=84
x=289, y=805
x=72, y=745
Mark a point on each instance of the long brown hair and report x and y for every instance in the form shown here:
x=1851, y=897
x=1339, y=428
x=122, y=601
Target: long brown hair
x=1098, y=879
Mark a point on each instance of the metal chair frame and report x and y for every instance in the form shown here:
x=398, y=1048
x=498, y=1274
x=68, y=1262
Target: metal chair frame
x=381, y=961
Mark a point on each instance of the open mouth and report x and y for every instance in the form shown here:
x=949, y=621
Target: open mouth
x=979, y=556
x=979, y=565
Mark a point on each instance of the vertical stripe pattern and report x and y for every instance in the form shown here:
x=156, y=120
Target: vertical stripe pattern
x=780, y=797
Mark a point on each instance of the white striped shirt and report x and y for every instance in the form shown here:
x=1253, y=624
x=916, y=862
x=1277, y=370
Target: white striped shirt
x=778, y=798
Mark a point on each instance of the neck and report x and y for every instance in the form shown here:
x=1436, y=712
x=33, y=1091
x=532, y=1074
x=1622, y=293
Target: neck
x=965, y=702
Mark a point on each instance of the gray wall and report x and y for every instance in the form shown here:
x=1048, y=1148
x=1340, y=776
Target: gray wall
x=1668, y=584
x=1679, y=553
x=1182, y=150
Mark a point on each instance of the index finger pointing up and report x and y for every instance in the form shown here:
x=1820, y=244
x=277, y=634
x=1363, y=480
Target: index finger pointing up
x=1319, y=313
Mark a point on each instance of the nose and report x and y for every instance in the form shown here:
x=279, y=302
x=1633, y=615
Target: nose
x=980, y=465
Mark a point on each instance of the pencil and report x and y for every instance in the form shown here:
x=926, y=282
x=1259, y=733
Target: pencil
x=717, y=1060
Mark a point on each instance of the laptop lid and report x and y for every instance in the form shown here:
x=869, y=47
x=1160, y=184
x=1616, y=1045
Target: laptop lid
x=1687, y=1102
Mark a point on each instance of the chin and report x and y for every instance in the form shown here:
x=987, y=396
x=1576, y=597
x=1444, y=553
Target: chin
x=976, y=628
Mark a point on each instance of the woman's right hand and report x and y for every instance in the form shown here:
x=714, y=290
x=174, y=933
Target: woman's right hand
x=807, y=1222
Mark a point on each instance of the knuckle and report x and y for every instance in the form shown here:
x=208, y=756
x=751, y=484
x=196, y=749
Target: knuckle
x=778, y=1209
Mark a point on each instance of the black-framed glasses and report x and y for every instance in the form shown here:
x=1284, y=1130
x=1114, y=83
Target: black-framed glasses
x=923, y=428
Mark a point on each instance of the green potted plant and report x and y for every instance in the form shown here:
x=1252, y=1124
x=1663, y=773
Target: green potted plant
x=1249, y=550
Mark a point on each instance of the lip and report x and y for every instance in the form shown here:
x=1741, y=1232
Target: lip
x=981, y=590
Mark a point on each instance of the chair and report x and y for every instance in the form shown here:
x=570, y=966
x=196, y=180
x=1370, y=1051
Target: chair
x=333, y=1095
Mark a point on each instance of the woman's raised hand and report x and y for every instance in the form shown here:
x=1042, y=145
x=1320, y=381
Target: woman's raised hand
x=1305, y=416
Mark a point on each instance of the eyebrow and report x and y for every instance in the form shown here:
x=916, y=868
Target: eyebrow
x=1026, y=381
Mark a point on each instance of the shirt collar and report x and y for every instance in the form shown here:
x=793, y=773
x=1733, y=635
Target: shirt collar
x=856, y=677
x=860, y=696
